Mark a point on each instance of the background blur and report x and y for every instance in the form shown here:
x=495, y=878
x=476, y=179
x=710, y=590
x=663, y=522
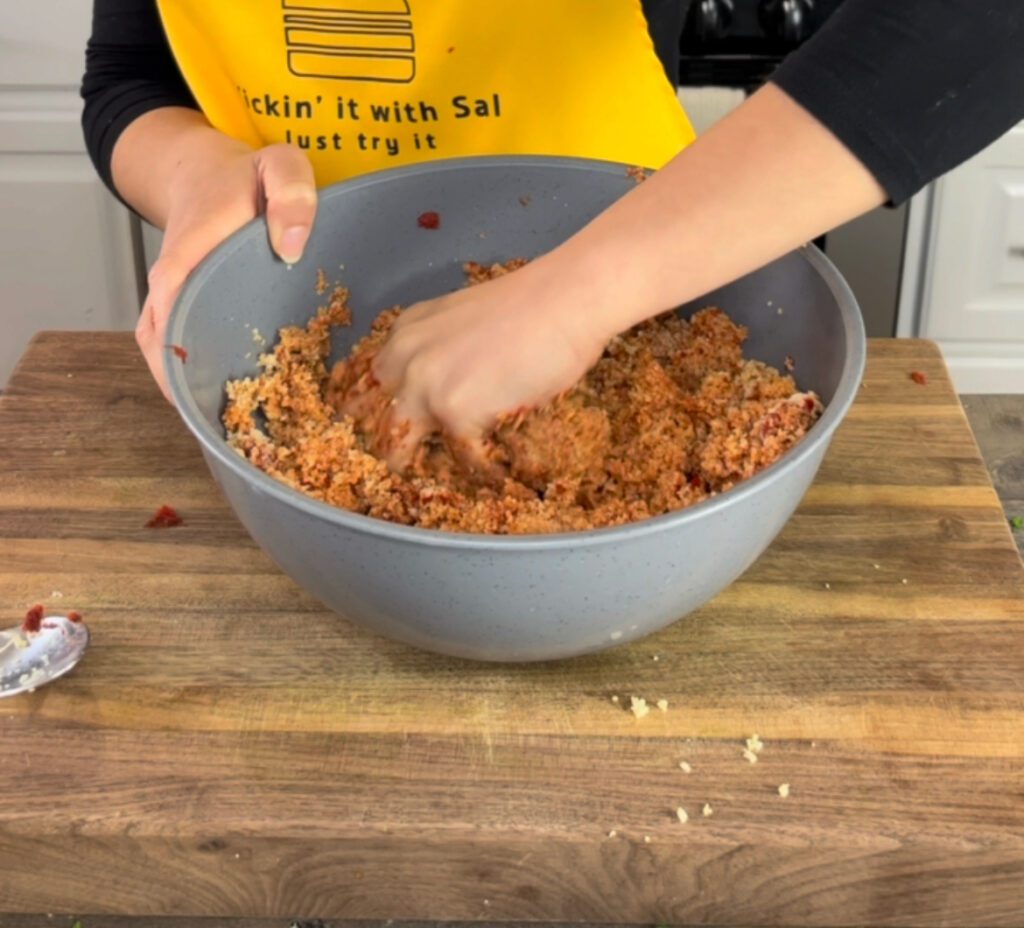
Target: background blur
x=950, y=266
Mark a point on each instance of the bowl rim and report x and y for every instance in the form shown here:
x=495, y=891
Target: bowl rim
x=214, y=443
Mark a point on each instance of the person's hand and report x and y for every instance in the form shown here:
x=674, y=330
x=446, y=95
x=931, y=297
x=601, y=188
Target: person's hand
x=210, y=197
x=459, y=363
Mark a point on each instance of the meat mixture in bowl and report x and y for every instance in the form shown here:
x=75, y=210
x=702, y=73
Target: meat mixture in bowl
x=671, y=414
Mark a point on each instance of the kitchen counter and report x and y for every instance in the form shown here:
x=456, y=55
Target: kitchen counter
x=229, y=748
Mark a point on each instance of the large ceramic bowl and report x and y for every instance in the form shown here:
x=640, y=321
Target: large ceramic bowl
x=522, y=598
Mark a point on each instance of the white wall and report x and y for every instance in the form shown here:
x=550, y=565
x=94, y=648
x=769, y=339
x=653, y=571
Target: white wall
x=66, y=255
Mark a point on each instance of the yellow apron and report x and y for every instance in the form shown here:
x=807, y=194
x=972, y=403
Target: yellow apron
x=367, y=84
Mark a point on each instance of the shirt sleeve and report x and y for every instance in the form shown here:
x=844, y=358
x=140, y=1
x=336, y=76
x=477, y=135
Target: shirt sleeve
x=129, y=70
x=913, y=87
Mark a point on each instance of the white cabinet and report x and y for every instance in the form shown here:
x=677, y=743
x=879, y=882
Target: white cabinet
x=970, y=286
x=67, y=259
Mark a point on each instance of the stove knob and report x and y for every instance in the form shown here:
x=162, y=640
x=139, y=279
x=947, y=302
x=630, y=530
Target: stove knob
x=712, y=19
x=788, y=20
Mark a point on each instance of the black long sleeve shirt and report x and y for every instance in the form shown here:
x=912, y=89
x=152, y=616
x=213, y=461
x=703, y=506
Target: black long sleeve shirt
x=911, y=87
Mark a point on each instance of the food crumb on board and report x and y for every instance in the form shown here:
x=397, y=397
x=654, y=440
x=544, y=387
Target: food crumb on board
x=828, y=586
x=707, y=811
x=59, y=453
x=904, y=580
x=681, y=815
x=615, y=699
x=783, y=790
x=877, y=566
x=647, y=839
x=56, y=594
x=778, y=312
x=754, y=743
x=612, y=833
x=662, y=704
x=685, y=767
x=749, y=755
x=257, y=337
x=919, y=377
x=638, y=706
x=655, y=658
x=165, y=517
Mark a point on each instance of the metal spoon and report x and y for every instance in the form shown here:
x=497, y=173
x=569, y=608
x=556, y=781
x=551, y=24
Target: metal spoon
x=30, y=660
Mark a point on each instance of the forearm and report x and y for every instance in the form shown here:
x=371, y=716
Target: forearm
x=763, y=181
x=159, y=148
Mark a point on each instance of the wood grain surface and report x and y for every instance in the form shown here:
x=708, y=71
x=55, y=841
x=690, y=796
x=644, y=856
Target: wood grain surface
x=229, y=748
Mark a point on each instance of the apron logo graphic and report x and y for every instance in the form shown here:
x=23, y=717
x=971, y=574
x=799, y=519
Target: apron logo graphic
x=351, y=40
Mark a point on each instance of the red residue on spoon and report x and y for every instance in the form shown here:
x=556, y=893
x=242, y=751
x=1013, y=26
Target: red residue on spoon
x=33, y=620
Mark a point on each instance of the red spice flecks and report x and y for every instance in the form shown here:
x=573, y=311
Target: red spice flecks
x=809, y=404
x=429, y=220
x=180, y=353
x=165, y=517
x=696, y=481
x=33, y=620
x=75, y=617
x=919, y=377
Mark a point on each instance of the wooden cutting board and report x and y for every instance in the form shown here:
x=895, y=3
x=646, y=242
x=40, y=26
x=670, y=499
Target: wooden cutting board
x=229, y=748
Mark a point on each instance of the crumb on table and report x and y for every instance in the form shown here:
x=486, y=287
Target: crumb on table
x=638, y=706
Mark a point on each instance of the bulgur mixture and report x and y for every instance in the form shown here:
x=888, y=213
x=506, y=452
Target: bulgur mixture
x=671, y=414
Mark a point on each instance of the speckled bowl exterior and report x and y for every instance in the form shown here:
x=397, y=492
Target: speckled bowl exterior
x=523, y=598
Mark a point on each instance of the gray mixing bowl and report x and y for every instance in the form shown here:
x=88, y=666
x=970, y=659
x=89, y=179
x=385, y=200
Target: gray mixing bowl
x=523, y=598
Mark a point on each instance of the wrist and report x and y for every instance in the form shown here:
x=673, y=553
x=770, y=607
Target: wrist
x=199, y=152
x=164, y=149
x=578, y=303
x=594, y=289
